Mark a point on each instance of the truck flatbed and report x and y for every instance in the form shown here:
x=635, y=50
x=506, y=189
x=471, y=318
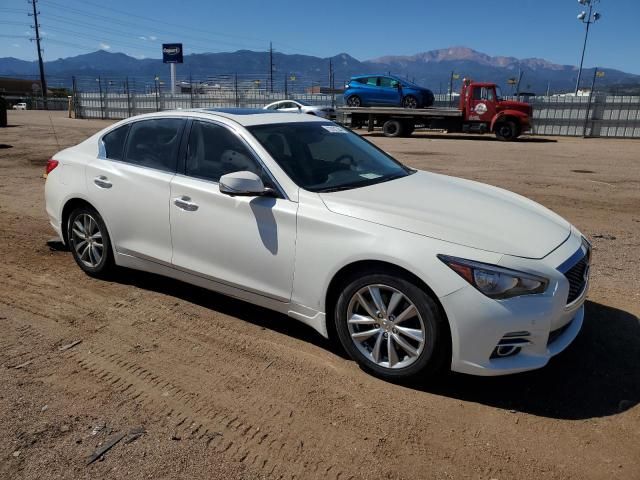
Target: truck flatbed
x=404, y=112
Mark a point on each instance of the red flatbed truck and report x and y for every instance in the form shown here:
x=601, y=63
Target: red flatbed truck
x=480, y=110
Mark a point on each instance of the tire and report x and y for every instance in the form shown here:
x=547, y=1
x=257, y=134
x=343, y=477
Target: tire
x=382, y=352
x=354, y=101
x=506, y=131
x=392, y=128
x=96, y=257
x=410, y=102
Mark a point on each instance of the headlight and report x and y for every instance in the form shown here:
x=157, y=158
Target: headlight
x=496, y=282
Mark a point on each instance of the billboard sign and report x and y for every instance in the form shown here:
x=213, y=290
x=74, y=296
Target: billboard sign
x=171, y=53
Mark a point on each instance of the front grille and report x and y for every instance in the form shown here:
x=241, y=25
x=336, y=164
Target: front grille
x=577, y=278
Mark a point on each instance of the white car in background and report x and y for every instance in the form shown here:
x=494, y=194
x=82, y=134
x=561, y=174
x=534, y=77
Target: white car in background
x=20, y=106
x=296, y=106
x=414, y=271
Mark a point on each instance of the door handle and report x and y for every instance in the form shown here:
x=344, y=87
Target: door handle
x=102, y=182
x=185, y=203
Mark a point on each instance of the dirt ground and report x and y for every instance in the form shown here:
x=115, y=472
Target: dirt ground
x=225, y=390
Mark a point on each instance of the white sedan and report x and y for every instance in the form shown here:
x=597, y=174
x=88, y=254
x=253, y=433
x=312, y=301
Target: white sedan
x=20, y=106
x=412, y=271
x=298, y=106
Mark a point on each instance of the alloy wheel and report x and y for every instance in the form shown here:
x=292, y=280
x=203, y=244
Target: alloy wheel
x=385, y=326
x=87, y=240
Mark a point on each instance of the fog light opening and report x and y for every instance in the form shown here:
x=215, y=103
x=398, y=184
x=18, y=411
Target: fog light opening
x=503, y=351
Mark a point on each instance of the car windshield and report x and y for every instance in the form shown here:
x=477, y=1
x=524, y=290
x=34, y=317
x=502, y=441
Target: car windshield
x=324, y=157
x=302, y=102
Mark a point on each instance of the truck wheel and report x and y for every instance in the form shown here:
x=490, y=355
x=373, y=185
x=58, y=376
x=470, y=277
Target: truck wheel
x=506, y=131
x=354, y=101
x=392, y=128
x=410, y=102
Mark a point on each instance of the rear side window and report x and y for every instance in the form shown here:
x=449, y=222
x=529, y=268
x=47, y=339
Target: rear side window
x=154, y=143
x=114, y=142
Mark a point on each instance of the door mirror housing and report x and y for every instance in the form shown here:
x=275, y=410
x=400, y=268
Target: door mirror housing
x=245, y=183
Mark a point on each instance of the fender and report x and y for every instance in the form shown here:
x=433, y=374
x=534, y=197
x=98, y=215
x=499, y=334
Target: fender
x=522, y=119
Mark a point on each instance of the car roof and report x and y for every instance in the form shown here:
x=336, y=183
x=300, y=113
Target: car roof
x=244, y=116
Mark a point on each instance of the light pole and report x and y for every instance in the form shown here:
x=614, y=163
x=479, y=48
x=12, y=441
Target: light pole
x=587, y=19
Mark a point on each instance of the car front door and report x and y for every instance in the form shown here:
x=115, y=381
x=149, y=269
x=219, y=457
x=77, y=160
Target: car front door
x=129, y=184
x=243, y=242
x=389, y=92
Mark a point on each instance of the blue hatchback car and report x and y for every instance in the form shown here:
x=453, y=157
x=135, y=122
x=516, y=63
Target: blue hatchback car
x=386, y=90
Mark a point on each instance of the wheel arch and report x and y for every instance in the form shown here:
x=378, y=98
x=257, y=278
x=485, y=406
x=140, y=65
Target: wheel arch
x=378, y=266
x=70, y=205
x=509, y=116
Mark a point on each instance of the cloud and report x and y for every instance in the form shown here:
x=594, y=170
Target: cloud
x=140, y=57
x=15, y=45
x=142, y=37
x=105, y=46
x=152, y=37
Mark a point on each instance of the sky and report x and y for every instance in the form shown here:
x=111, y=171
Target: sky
x=545, y=29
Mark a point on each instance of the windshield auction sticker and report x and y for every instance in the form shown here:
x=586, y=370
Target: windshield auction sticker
x=334, y=129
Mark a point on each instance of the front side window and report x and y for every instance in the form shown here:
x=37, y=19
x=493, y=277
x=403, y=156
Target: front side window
x=114, y=142
x=154, y=143
x=214, y=151
x=388, y=82
x=324, y=157
x=372, y=81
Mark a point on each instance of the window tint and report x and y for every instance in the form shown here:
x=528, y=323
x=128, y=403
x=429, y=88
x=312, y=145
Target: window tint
x=214, y=151
x=372, y=81
x=154, y=143
x=114, y=142
x=388, y=82
x=361, y=80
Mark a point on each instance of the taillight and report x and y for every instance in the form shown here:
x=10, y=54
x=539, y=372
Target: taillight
x=51, y=164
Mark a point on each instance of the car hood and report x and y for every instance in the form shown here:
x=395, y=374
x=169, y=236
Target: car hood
x=458, y=211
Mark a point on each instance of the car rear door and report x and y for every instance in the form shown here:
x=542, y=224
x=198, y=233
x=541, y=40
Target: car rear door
x=243, y=242
x=129, y=185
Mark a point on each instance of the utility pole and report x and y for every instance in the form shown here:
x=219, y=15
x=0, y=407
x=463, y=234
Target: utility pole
x=330, y=71
x=43, y=82
x=271, y=66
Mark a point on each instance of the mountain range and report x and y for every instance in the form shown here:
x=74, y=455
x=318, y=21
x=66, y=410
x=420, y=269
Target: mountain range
x=432, y=68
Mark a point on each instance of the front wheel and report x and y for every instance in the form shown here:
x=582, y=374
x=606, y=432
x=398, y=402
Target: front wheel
x=354, y=101
x=89, y=242
x=506, y=131
x=391, y=327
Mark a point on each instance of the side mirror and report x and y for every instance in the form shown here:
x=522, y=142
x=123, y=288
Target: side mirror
x=246, y=184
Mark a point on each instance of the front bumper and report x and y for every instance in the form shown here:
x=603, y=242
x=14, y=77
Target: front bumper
x=544, y=323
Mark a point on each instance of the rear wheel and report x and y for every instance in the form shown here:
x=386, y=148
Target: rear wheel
x=354, y=101
x=410, y=102
x=392, y=128
x=89, y=242
x=391, y=327
x=506, y=131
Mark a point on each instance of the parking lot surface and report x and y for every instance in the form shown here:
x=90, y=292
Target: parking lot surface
x=226, y=390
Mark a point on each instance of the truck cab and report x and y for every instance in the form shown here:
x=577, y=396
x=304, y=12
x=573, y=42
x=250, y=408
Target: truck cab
x=484, y=111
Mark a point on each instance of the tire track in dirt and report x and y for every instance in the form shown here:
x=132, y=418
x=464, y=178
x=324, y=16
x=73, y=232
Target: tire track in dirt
x=243, y=437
